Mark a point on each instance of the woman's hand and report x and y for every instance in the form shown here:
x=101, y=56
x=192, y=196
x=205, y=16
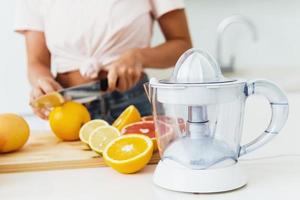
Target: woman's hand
x=39, y=70
x=125, y=72
x=43, y=86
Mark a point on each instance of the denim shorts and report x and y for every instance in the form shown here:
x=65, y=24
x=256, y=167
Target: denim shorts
x=111, y=105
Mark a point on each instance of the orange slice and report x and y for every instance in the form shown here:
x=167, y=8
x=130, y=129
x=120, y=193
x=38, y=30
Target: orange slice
x=128, y=116
x=53, y=99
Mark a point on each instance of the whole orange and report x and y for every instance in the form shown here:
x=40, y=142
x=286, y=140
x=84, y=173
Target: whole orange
x=14, y=132
x=66, y=120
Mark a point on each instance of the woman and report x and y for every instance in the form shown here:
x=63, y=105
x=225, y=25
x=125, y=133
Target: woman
x=72, y=42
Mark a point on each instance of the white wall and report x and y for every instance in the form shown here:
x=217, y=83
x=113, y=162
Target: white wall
x=13, y=84
x=278, y=25
x=277, y=21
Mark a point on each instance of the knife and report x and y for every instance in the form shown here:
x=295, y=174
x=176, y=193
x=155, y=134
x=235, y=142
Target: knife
x=84, y=93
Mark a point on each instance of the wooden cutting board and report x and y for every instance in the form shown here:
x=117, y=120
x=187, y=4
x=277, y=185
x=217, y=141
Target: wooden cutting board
x=44, y=151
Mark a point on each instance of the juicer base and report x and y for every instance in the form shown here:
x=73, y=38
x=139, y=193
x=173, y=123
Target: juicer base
x=172, y=176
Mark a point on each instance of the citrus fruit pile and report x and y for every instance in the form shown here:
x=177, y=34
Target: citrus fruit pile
x=126, y=145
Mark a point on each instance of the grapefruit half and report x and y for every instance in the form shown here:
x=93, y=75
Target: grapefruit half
x=146, y=128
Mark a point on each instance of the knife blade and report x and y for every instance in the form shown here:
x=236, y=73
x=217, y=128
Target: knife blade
x=84, y=93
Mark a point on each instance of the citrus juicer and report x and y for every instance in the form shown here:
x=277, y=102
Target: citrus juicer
x=198, y=116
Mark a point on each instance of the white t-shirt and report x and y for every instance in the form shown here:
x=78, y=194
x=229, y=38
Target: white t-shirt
x=87, y=34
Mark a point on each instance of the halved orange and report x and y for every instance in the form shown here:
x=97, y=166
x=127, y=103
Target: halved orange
x=128, y=116
x=144, y=127
x=53, y=99
x=128, y=153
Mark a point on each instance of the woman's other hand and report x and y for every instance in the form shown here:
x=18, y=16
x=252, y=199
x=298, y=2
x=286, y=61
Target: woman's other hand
x=125, y=72
x=43, y=86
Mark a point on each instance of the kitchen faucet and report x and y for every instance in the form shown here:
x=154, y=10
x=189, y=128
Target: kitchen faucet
x=225, y=23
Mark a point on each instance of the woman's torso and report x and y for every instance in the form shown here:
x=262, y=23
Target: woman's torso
x=81, y=32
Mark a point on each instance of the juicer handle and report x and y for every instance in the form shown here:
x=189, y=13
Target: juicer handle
x=280, y=109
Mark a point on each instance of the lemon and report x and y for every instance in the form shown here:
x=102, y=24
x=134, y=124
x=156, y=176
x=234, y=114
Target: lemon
x=128, y=153
x=88, y=128
x=101, y=136
x=50, y=100
x=130, y=115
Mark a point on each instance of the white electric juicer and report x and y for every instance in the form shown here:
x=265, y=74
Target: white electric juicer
x=198, y=118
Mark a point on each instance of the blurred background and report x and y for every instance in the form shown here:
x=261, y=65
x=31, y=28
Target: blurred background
x=262, y=40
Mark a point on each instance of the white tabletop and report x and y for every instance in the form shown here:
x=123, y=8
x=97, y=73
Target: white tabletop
x=273, y=171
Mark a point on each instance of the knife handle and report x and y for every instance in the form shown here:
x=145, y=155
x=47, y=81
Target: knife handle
x=103, y=84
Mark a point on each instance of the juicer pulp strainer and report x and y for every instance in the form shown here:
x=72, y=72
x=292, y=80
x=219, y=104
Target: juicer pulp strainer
x=198, y=116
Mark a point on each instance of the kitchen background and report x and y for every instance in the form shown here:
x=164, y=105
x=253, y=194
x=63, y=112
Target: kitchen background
x=276, y=54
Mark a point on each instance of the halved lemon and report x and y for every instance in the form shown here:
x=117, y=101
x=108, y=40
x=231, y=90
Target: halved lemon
x=53, y=99
x=89, y=127
x=128, y=153
x=128, y=116
x=101, y=136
